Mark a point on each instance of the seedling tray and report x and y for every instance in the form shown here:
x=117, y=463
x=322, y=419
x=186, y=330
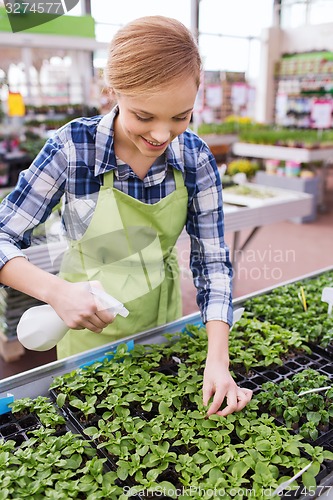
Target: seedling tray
x=319, y=360
x=37, y=382
x=80, y=424
x=17, y=428
x=74, y=415
x=258, y=376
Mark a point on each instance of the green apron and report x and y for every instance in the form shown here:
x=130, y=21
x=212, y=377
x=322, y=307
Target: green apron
x=129, y=246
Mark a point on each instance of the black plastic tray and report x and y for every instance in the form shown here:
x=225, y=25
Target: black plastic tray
x=17, y=428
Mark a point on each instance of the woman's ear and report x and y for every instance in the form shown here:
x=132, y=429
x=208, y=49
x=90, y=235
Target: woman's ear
x=112, y=94
x=112, y=97
x=109, y=98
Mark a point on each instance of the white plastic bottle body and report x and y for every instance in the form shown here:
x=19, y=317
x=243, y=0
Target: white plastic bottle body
x=40, y=328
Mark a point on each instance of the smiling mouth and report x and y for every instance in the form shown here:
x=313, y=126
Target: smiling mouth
x=156, y=144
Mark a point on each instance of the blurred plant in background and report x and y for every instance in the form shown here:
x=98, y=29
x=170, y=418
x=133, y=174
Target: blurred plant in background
x=244, y=166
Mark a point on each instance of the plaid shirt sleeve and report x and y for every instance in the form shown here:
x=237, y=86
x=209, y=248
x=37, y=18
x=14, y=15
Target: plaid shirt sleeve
x=38, y=190
x=65, y=165
x=209, y=261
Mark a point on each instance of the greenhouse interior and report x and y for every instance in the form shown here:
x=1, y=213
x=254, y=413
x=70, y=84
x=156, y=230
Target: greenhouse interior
x=166, y=243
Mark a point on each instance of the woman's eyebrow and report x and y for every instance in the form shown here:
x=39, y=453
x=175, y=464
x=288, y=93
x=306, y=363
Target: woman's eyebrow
x=142, y=111
x=136, y=110
x=185, y=112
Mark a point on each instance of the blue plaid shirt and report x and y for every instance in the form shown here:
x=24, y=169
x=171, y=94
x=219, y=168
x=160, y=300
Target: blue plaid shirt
x=71, y=167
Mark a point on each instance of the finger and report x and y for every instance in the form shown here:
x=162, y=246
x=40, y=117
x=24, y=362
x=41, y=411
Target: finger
x=216, y=404
x=94, y=329
x=227, y=410
x=88, y=326
x=207, y=392
x=98, y=323
x=93, y=326
x=232, y=405
x=105, y=316
x=214, y=407
x=243, y=398
x=247, y=392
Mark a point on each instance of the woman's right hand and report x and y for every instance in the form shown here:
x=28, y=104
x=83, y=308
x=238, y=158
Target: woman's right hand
x=73, y=302
x=78, y=307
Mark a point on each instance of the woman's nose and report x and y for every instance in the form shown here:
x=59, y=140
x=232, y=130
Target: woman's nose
x=160, y=135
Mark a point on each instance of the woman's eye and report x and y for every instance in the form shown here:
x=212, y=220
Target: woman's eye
x=142, y=119
x=147, y=119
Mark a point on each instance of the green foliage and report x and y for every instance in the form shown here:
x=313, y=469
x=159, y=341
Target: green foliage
x=310, y=413
x=283, y=307
x=42, y=407
x=257, y=133
x=153, y=427
x=32, y=146
x=256, y=343
x=57, y=467
x=286, y=137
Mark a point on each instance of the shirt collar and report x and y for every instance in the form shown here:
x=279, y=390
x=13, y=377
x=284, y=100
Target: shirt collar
x=105, y=156
x=105, y=159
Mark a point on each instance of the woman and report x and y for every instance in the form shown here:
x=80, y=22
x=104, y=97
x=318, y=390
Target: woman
x=130, y=181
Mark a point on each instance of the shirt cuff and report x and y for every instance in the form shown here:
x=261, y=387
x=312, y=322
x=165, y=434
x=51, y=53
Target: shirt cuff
x=218, y=312
x=11, y=253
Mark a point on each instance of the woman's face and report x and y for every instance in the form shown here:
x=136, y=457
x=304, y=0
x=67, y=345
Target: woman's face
x=147, y=125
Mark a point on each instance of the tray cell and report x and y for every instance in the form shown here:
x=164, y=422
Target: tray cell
x=272, y=375
x=302, y=360
x=258, y=380
x=284, y=371
x=19, y=438
x=29, y=421
x=249, y=385
x=295, y=367
x=328, y=369
x=6, y=418
x=8, y=430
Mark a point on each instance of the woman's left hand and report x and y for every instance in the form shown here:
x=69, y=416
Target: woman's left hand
x=219, y=385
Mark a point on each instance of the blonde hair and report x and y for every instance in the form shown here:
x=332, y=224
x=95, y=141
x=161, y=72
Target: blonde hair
x=150, y=52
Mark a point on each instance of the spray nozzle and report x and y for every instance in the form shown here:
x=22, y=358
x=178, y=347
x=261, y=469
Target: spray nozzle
x=110, y=303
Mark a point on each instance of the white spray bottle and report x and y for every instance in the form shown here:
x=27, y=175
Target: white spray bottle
x=40, y=328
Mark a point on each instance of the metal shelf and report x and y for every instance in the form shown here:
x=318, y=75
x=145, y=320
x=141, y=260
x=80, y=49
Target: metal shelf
x=266, y=151
x=257, y=212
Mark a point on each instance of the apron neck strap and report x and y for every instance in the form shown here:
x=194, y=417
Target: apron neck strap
x=108, y=179
x=178, y=176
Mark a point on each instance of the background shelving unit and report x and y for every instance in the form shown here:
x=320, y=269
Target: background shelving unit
x=301, y=80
